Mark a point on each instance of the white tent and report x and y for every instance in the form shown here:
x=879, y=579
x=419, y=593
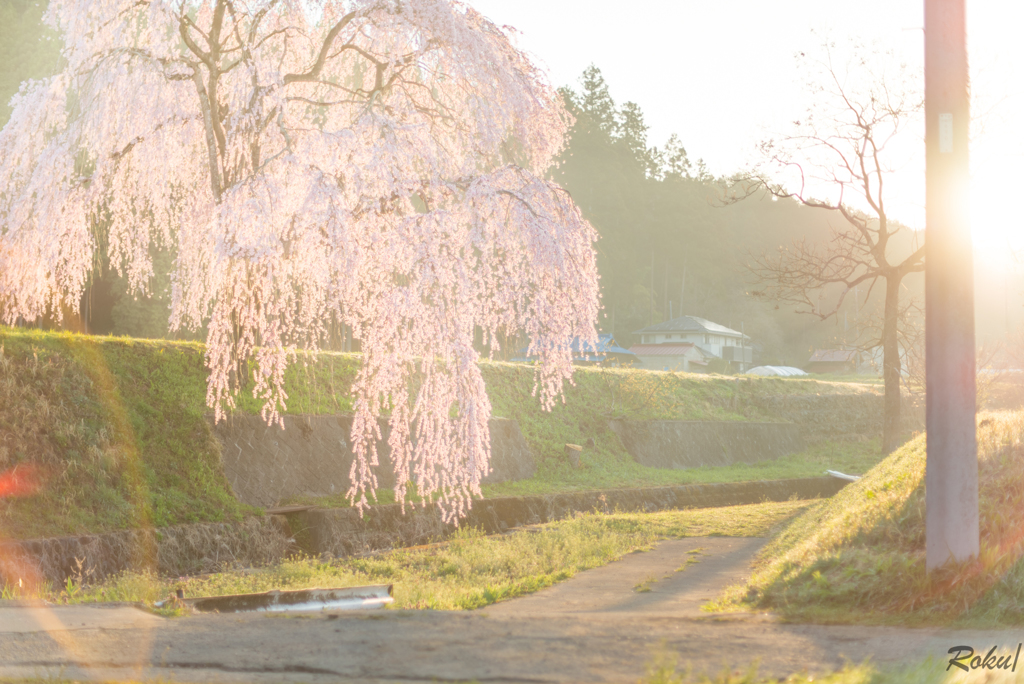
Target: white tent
x=775, y=370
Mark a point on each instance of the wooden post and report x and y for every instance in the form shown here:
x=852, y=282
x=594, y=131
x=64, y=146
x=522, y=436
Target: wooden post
x=951, y=478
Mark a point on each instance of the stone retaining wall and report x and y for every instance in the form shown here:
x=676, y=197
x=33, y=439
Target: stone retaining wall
x=690, y=444
x=178, y=550
x=312, y=456
x=342, y=531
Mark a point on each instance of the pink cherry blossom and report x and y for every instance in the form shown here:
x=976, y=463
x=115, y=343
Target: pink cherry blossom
x=376, y=162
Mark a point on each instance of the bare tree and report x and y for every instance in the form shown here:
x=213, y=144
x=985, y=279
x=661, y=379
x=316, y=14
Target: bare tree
x=842, y=149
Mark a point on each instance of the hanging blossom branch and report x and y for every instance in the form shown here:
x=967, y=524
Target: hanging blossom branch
x=375, y=162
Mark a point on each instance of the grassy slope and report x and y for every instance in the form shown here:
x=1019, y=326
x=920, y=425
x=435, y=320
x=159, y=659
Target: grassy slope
x=859, y=556
x=117, y=432
x=603, y=394
x=119, y=428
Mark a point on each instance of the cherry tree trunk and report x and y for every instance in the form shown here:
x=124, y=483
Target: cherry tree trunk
x=891, y=368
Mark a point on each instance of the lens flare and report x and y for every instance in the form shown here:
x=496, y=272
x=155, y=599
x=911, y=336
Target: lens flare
x=21, y=480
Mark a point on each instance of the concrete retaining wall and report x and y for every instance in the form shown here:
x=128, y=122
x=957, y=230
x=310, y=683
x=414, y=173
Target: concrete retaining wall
x=208, y=547
x=179, y=550
x=686, y=444
x=835, y=416
x=342, y=531
x=312, y=456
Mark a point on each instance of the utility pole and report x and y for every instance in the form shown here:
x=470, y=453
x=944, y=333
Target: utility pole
x=951, y=476
x=743, y=349
x=652, y=288
x=682, y=292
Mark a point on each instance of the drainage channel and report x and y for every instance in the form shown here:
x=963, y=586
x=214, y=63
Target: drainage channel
x=300, y=600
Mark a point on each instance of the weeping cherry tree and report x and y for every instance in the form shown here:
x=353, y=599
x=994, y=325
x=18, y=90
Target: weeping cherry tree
x=376, y=163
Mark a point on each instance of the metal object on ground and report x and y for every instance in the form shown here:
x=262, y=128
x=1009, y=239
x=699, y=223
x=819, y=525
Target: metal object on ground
x=842, y=476
x=573, y=453
x=302, y=600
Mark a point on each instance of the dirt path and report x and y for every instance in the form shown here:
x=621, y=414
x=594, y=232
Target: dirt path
x=605, y=625
x=671, y=581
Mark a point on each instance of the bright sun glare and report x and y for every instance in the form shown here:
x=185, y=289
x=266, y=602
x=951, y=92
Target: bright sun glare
x=996, y=225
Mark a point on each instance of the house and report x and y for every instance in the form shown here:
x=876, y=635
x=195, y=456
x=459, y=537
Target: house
x=834, y=361
x=714, y=341
x=686, y=357
x=607, y=353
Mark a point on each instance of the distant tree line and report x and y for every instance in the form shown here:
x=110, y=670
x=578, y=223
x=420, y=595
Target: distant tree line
x=670, y=246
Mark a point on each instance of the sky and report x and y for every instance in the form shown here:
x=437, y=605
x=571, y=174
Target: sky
x=723, y=76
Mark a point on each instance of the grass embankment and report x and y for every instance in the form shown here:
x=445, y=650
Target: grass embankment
x=102, y=436
x=467, y=571
x=600, y=395
x=860, y=556
x=117, y=433
x=612, y=467
x=665, y=668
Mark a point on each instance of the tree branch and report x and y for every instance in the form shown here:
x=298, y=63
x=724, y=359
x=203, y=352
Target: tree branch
x=314, y=71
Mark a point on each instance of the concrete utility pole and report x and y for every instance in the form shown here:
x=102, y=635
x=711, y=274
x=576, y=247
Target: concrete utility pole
x=652, y=288
x=951, y=478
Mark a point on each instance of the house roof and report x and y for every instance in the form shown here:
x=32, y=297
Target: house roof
x=707, y=352
x=689, y=324
x=583, y=351
x=605, y=345
x=833, y=356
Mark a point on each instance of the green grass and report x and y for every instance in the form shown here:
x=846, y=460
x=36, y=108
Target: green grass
x=620, y=470
x=468, y=571
x=600, y=395
x=115, y=432
x=665, y=668
x=859, y=556
x=117, y=428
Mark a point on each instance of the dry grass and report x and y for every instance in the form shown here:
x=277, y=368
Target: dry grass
x=859, y=556
x=665, y=668
x=469, y=570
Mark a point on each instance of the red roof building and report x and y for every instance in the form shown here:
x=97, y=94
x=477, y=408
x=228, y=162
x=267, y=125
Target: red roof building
x=833, y=361
x=685, y=357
